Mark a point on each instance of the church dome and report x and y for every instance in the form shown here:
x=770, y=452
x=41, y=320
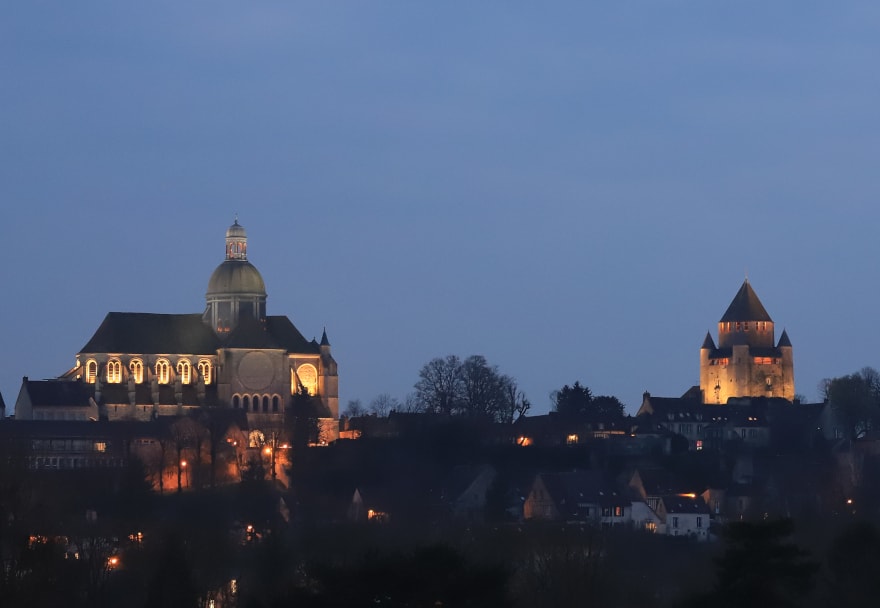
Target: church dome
x=236, y=231
x=236, y=277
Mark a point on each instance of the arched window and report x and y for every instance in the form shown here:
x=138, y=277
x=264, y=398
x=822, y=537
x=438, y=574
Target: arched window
x=137, y=370
x=275, y=401
x=236, y=401
x=256, y=403
x=163, y=371
x=91, y=371
x=114, y=371
x=308, y=378
x=265, y=404
x=205, y=371
x=184, y=370
x=246, y=403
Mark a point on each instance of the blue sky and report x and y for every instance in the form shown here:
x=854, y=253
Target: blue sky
x=575, y=191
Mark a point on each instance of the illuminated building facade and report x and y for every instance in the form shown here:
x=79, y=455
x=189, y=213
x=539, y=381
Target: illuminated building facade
x=139, y=366
x=747, y=362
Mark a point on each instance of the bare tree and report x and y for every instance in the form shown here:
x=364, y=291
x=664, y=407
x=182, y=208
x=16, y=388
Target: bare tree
x=354, y=408
x=439, y=388
x=383, y=405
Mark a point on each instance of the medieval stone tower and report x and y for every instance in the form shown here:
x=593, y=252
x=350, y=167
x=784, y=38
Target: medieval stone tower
x=747, y=361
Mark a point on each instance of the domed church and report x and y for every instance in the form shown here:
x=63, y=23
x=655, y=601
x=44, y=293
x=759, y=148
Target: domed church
x=142, y=365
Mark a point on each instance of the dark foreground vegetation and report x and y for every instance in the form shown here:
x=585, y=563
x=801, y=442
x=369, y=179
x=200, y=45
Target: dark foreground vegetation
x=105, y=539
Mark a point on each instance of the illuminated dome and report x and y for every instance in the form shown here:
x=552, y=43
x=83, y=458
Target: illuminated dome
x=235, y=289
x=234, y=277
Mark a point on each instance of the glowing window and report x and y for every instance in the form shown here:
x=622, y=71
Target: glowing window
x=91, y=371
x=137, y=370
x=571, y=439
x=308, y=378
x=184, y=370
x=205, y=371
x=163, y=371
x=114, y=371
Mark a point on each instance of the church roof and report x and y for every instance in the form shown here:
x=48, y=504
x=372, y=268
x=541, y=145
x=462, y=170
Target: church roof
x=746, y=306
x=278, y=333
x=148, y=333
x=45, y=393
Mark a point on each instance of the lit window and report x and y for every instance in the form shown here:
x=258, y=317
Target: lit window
x=308, y=378
x=137, y=370
x=205, y=371
x=184, y=370
x=571, y=439
x=699, y=444
x=114, y=371
x=618, y=511
x=163, y=371
x=91, y=371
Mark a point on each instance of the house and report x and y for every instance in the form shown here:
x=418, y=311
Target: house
x=684, y=515
x=580, y=496
x=466, y=489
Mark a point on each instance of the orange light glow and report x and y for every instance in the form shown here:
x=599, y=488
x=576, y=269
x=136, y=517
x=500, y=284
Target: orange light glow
x=688, y=495
x=113, y=562
x=182, y=464
x=267, y=451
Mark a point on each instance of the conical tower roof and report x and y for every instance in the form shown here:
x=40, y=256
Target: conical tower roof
x=709, y=342
x=746, y=306
x=784, y=340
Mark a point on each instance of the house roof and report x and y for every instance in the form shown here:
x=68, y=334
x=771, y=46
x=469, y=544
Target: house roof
x=746, y=306
x=677, y=503
x=570, y=489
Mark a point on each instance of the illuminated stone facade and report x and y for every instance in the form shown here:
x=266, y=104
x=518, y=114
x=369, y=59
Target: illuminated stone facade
x=747, y=362
x=141, y=366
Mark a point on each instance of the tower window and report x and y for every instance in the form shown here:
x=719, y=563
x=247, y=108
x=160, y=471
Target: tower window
x=246, y=403
x=236, y=401
x=265, y=404
x=114, y=371
x=275, y=401
x=137, y=370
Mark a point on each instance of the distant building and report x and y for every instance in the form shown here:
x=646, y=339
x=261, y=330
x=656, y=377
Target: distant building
x=140, y=366
x=747, y=362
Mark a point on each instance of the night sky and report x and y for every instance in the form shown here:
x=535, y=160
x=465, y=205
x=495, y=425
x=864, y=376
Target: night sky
x=574, y=191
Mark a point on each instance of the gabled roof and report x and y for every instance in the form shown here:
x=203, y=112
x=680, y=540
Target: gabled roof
x=569, y=490
x=746, y=306
x=44, y=393
x=139, y=332
x=684, y=504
